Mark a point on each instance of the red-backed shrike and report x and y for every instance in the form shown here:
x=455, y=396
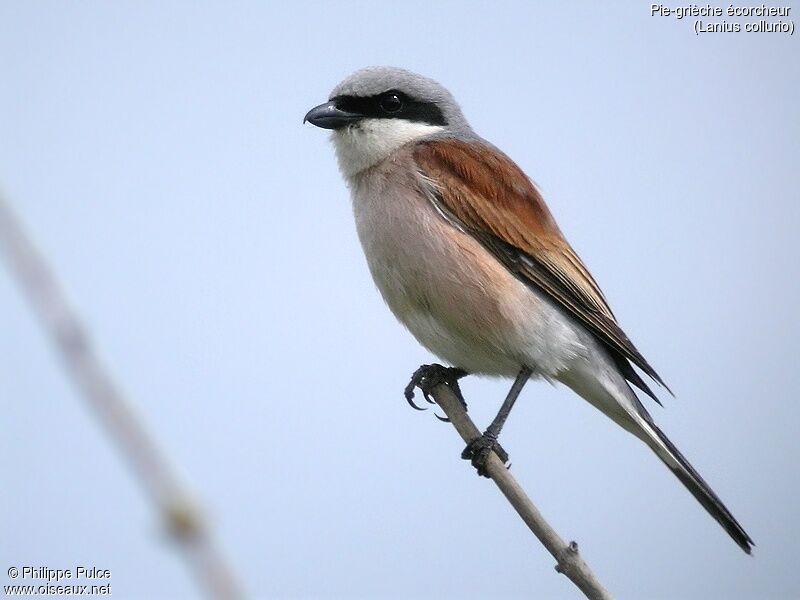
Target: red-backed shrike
x=468, y=257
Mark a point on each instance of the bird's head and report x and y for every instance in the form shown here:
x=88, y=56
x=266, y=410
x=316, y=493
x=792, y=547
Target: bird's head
x=377, y=110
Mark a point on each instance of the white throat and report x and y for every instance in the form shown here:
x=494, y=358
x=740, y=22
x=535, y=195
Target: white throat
x=368, y=142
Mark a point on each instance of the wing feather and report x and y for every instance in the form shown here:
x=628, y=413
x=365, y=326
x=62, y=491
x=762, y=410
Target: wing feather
x=489, y=197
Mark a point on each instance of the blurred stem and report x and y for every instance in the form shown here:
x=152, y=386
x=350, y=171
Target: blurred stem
x=181, y=517
x=569, y=561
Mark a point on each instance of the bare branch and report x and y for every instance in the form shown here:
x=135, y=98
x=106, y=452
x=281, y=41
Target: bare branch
x=181, y=518
x=569, y=562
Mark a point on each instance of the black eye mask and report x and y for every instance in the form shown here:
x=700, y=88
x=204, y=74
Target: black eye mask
x=392, y=105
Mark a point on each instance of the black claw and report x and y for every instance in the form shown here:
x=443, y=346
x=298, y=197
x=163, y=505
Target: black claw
x=413, y=405
x=442, y=419
x=477, y=452
x=457, y=390
x=409, y=391
x=428, y=376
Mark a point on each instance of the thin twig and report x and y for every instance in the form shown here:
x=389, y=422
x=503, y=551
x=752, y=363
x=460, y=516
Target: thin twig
x=181, y=517
x=569, y=561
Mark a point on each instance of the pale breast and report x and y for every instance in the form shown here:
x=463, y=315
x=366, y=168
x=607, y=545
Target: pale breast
x=452, y=294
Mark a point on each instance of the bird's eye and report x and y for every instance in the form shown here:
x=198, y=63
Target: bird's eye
x=391, y=102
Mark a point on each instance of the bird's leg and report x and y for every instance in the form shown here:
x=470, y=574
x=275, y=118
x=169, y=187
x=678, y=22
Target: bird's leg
x=477, y=451
x=429, y=376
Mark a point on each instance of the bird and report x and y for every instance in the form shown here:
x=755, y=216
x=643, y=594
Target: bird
x=467, y=255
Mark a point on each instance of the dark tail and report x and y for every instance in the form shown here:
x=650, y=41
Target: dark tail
x=684, y=471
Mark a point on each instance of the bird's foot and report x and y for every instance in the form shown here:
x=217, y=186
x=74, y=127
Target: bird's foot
x=477, y=452
x=428, y=377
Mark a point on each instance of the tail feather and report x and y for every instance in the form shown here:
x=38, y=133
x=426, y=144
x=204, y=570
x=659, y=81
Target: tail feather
x=689, y=477
x=606, y=388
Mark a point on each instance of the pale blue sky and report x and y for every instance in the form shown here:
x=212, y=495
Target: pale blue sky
x=156, y=153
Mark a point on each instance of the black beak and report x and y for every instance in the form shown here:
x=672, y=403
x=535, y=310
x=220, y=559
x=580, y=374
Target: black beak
x=329, y=116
